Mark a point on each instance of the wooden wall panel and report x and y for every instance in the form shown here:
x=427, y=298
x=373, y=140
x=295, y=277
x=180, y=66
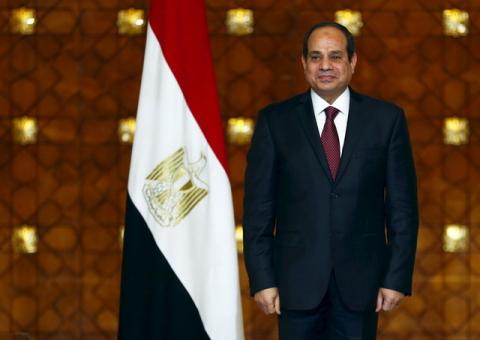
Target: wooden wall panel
x=78, y=77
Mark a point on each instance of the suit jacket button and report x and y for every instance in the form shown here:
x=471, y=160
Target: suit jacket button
x=334, y=195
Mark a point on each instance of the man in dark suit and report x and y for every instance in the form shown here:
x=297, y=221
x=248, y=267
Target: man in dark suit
x=330, y=210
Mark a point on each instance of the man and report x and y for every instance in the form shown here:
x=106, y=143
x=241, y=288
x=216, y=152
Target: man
x=330, y=211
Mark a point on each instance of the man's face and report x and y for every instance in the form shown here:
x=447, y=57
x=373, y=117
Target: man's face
x=327, y=68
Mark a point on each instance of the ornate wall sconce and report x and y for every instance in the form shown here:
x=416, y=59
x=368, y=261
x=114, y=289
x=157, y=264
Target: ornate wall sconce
x=455, y=131
x=239, y=238
x=240, y=130
x=350, y=19
x=126, y=130
x=240, y=21
x=455, y=22
x=24, y=239
x=131, y=21
x=456, y=238
x=25, y=130
x=23, y=21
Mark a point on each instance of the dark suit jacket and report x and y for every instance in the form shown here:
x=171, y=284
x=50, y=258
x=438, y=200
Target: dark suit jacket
x=299, y=224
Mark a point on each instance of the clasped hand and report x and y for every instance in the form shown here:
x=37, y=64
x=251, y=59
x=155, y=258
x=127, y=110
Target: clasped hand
x=388, y=299
x=268, y=300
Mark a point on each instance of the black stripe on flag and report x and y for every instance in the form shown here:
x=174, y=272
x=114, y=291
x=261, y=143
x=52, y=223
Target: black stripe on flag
x=153, y=302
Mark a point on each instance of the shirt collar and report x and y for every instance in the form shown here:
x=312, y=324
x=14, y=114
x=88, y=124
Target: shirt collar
x=342, y=103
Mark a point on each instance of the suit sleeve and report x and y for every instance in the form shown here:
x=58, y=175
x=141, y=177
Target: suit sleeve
x=259, y=208
x=401, y=209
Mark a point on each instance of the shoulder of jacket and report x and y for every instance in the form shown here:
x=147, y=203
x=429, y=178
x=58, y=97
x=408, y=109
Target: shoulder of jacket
x=380, y=105
x=284, y=106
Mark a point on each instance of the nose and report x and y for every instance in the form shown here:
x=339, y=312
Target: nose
x=325, y=64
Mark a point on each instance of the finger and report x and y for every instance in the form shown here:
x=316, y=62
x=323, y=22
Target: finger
x=388, y=305
x=265, y=301
x=260, y=304
x=277, y=304
x=266, y=308
x=394, y=302
x=388, y=308
x=264, y=304
x=379, y=302
x=269, y=309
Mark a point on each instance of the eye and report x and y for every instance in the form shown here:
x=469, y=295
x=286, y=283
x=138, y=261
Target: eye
x=314, y=56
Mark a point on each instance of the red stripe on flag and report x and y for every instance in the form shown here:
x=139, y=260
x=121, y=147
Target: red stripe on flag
x=181, y=29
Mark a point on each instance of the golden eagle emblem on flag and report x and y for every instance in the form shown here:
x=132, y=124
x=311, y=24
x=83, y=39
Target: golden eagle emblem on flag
x=174, y=188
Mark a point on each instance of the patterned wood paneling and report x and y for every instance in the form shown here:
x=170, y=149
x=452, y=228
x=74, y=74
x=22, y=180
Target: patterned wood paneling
x=77, y=76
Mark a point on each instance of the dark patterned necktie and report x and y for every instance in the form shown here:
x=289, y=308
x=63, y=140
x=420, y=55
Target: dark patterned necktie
x=330, y=142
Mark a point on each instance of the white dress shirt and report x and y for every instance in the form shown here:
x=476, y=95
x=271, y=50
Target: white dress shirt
x=342, y=104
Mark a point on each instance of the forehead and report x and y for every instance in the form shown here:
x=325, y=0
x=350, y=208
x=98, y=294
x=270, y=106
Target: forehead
x=327, y=37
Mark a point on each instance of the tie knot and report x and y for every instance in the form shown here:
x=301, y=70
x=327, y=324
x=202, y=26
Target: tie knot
x=331, y=112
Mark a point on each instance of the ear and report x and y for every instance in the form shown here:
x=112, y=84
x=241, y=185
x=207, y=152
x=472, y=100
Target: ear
x=353, y=62
x=304, y=63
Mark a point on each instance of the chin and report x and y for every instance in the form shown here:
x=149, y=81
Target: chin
x=326, y=88
x=326, y=83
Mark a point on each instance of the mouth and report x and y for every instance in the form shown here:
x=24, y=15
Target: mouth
x=326, y=78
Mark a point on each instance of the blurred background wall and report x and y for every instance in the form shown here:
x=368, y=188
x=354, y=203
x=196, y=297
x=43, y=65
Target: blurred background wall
x=69, y=83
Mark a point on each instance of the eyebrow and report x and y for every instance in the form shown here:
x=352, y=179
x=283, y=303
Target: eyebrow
x=330, y=52
x=318, y=53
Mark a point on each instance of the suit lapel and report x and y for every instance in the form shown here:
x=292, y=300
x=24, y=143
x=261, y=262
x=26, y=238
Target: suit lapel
x=309, y=124
x=354, y=128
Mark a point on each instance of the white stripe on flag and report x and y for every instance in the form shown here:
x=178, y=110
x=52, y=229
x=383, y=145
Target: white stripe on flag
x=201, y=248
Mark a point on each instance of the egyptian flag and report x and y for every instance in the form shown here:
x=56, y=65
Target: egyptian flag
x=179, y=272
